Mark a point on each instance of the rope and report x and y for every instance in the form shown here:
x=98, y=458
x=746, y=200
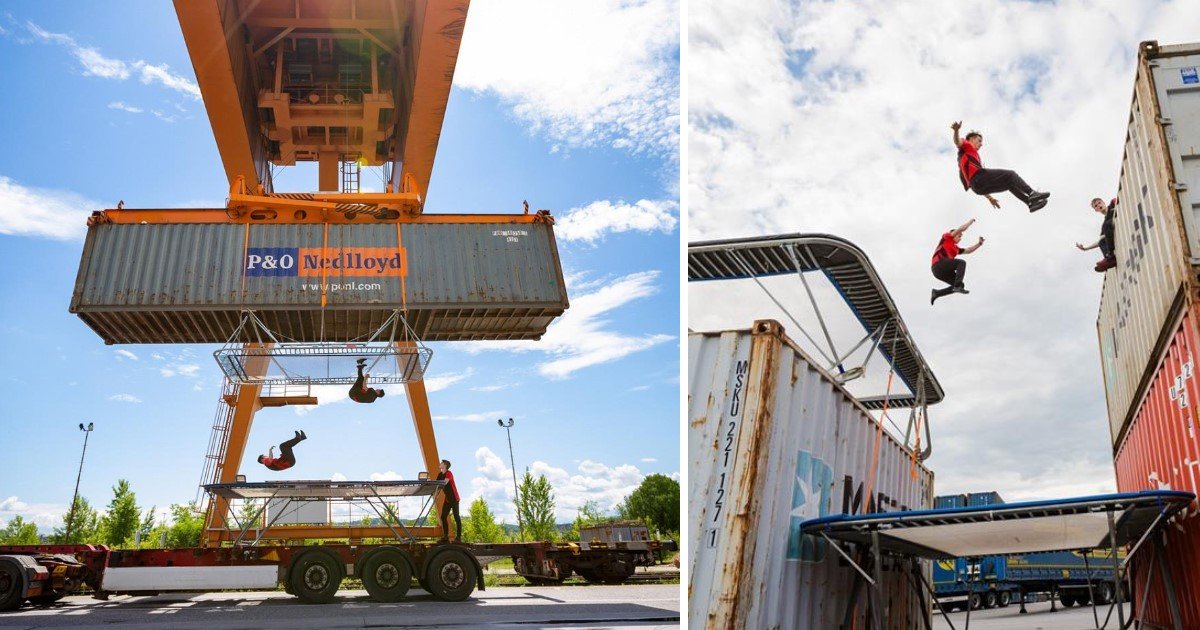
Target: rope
x=403, y=270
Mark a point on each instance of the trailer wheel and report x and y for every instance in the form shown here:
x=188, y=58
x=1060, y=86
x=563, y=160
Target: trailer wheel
x=12, y=584
x=315, y=577
x=1066, y=599
x=387, y=576
x=451, y=575
x=989, y=599
x=975, y=601
x=1104, y=594
x=1003, y=599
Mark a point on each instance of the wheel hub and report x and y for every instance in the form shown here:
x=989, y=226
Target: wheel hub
x=316, y=577
x=387, y=576
x=452, y=575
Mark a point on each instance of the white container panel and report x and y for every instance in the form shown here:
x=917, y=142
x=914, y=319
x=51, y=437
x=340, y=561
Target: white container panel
x=124, y=579
x=774, y=441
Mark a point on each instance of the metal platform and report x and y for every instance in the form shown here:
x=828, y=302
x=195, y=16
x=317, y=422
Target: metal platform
x=288, y=496
x=324, y=364
x=851, y=273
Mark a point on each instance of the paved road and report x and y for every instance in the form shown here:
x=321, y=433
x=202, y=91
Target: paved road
x=1039, y=618
x=653, y=605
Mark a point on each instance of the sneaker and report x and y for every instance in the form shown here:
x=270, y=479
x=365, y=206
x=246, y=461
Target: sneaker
x=1106, y=264
x=303, y=436
x=933, y=296
x=1037, y=196
x=362, y=361
x=1034, y=206
x=961, y=289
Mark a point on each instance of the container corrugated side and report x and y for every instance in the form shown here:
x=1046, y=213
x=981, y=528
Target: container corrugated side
x=186, y=283
x=1161, y=451
x=774, y=441
x=1155, y=237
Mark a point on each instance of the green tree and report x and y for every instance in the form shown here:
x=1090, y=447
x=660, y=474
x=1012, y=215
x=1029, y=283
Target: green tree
x=589, y=514
x=480, y=525
x=186, y=526
x=85, y=526
x=535, y=505
x=655, y=501
x=19, y=532
x=123, y=516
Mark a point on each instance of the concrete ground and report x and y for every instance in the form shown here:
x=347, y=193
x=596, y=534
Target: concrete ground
x=1038, y=618
x=645, y=606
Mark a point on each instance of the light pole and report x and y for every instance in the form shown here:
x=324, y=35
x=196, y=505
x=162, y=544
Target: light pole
x=516, y=493
x=71, y=511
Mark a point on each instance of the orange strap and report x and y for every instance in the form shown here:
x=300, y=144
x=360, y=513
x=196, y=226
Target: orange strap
x=245, y=253
x=324, y=266
x=875, y=449
x=404, y=270
x=912, y=467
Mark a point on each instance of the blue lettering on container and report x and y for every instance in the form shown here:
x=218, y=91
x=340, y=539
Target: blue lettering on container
x=271, y=261
x=1189, y=75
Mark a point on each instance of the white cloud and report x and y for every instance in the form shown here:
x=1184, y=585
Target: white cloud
x=57, y=214
x=592, y=481
x=489, y=388
x=390, y=475
x=584, y=74
x=648, y=460
x=581, y=338
x=474, y=417
x=337, y=476
x=127, y=398
x=125, y=108
x=189, y=370
x=596, y=220
x=45, y=515
x=444, y=381
x=167, y=118
x=843, y=127
x=125, y=354
x=96, y=64
x=639, y=388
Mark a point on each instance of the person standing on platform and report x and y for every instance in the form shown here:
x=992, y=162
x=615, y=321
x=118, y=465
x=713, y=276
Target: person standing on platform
x=449, y=503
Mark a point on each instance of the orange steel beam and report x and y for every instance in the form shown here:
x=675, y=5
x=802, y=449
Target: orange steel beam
x=300, y=532
x=437, y=43
x=224, y=215
x=247, y=405
x=223, y=73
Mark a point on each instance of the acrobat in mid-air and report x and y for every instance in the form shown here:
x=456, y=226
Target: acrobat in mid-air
x=947, y=266
x=359, y=392
x=286, y=458
x=1106, y=235
x=987, y=181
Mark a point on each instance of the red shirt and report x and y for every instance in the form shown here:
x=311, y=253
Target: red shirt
x=947, y=248
x=968, y=163
x=449, y=477
x=275, y=463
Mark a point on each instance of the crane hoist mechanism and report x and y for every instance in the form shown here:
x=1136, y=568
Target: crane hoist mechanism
x=298, y=286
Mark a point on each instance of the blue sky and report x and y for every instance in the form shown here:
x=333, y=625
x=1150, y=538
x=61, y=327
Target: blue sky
x=572, y=134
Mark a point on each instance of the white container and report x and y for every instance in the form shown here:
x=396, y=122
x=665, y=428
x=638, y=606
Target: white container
x=773, y=440
x=1156, y=237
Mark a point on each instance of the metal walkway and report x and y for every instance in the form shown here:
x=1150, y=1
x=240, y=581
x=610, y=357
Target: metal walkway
x=850, y=272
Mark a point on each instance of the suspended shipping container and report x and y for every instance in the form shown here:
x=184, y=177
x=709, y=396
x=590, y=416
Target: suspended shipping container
x=1156, y=237
x=773, y=441
x=189, y=282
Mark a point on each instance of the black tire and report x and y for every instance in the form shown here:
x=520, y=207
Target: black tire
x=589, y=574
x=12, y=584
x=451, y=575
x=46, y=600
x=1104, y=594
x=1003, y=599
x=976, y=601
x=1066, y=599
x=315, y=577
x=387, y=575
x=989, y=599
x=423, y=583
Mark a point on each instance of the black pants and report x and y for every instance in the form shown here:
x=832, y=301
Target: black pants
x=285, y=451
x=1106, y=248
x=951, y=271
x=993, y=180
x=447, y=506
x=360, y=393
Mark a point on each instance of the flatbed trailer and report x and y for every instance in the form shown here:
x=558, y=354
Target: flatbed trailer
x=267, y=557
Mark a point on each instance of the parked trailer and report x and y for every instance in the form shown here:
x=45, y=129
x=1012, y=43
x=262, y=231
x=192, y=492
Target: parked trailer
x=42, y=574
x=1147, y=326
x=997, y=581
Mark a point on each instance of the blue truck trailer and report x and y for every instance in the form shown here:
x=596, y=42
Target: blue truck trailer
x=997, y=581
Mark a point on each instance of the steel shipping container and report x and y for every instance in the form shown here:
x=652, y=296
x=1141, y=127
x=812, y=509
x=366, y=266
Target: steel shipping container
x=950, y=501
x=188, y=282
x=773, y=440
x=1156, y=237
x=1160, y=449
x=981, y=499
